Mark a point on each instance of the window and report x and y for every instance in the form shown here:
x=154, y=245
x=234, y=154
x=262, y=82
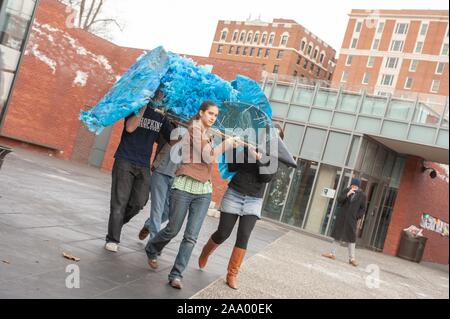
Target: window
x=322, y=57
x=267, y=53
x=271, y=38
x=280, y=54
x=244, y=51
x=256, y=38
x=380, y=27
x=231, y=50
x=440, y=68
x=223, y=36
x=423, y=29
x=371, y=62
x=376, y=44
x=264, y=38
x=344, y=76
x=318, y=72
x=284, y=40
x=249, y=37
x=401, y=28
x=354, y=43
x=349, y=60
x=238, y=50
x=396, y=45
x=312, y=67
x=366, y=78
x=303, y=45
x=235, y=36
x=260, y=52
x=299, y=59
x=309, y=49
x=276, y=68
x=408, y=83
x=413, y=65
x=435, y=86
x=252, y=51
x=387, y=80
x=330, y=76
x=295, y=73
x=219, y=48
x=316, y=53
x=305, y=65
x=418, y=48
x=242, y=37
x=444, y=49
x=358, y=27
x=391, y=63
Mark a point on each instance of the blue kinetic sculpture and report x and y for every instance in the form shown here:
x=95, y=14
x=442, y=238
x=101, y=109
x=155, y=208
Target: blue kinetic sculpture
x=185, y=85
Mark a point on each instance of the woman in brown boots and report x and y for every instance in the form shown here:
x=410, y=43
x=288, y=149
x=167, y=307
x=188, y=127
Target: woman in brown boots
x=243, y=199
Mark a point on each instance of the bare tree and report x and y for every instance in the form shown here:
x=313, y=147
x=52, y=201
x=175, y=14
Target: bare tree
x=90, y=17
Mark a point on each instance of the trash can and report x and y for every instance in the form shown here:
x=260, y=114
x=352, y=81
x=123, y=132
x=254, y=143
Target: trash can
x=411, y=247
x=3, y=152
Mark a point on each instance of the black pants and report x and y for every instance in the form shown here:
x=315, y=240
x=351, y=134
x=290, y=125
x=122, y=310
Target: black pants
x=129, y=194
x=226, y=225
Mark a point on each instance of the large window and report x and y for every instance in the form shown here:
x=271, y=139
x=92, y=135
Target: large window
x=15, y=17
x=276, y=194
x=301, y=188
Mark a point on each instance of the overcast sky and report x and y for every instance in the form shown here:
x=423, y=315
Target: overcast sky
x=188, y=26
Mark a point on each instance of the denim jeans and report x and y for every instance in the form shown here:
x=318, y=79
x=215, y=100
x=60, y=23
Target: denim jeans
x=180, y=203
x=160, y=186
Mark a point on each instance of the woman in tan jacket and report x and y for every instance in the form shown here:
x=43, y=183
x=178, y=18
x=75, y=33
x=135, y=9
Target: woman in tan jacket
x=191, y=191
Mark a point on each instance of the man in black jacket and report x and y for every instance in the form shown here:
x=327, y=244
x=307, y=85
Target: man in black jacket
x=351, y=208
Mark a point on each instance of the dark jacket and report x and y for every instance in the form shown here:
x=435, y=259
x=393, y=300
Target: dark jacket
x=347, y=214
x=251, y=178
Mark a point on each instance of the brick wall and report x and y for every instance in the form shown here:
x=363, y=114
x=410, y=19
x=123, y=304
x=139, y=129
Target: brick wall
x=418, y=193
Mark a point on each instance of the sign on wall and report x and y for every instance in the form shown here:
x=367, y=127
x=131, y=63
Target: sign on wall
x=328, y=192
x=434, y=224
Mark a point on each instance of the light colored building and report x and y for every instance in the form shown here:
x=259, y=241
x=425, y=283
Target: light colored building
x=399, y=52
x=283, y=47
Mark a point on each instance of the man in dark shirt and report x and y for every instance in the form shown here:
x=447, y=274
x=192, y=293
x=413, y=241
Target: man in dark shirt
x=131, y=170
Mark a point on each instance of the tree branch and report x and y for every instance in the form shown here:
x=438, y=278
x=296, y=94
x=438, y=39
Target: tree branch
x=108, y=20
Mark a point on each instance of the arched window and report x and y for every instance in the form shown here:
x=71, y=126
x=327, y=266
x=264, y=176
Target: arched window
x=303, y=45
x=235, y=35
x=322, y=57
x=223, y=35
x=250, y=37
x=310, y=48
x=242, y=37
x=264, y=38
x=316, y=53
x=271, y=38
x=256, y=37
x=284, y=39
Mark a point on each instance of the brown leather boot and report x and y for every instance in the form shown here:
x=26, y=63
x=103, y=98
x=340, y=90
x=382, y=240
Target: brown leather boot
x=206, y=252
x=233, y=266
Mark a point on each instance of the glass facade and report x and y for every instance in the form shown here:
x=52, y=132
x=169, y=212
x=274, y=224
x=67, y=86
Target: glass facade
x=15, y=21
x=328, y=133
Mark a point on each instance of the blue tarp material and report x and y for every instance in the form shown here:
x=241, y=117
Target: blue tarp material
x=185, y=86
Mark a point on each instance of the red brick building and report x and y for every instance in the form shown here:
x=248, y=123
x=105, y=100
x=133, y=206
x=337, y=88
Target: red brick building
x=282, y=46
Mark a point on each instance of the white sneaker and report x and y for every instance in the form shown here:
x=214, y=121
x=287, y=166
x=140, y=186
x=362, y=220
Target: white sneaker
x=112, y=247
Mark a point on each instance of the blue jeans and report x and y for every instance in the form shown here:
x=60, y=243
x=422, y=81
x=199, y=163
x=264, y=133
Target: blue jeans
x=160, y=186
x=180, y=203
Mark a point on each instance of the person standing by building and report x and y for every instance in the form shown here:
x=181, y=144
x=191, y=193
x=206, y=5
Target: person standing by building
x=351, y=208
x=191, y=191
x=131, y=170
x=243, y=200
x=163, y=173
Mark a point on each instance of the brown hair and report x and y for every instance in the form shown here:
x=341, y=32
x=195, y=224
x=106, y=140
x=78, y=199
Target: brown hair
x=278, y=126
x=204, y=107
